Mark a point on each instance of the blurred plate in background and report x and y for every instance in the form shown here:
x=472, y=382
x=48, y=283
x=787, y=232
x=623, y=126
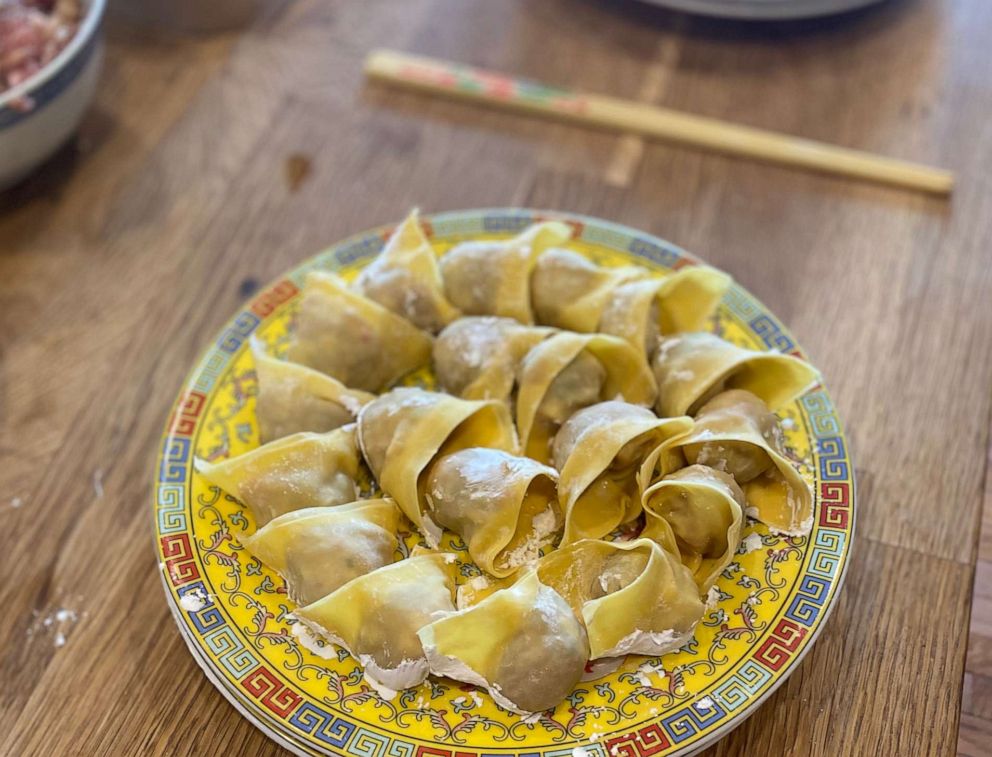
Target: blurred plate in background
x=764, y=9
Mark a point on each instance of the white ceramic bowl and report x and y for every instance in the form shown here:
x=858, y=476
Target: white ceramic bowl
x=61, y=91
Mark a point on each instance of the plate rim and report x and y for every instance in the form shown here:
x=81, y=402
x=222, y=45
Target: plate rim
x=532, y=215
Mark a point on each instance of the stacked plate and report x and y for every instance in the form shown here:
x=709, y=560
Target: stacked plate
x=765, y=9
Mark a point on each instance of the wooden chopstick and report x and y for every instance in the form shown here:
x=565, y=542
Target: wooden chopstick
x=501, y=91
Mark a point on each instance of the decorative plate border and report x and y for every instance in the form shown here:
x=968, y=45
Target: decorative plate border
x=239, y=670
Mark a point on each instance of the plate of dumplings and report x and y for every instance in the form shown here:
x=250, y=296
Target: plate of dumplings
x=502, y=482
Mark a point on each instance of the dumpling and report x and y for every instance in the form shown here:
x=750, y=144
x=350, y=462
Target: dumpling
x=599, y=452
x=568, y=372
x=478, y=357
x=633, y=597
x=571, y=292
x=319, y=549
x=405, y=279
x=293, y=398
x=297, y=471
x=736, y=433
x=643, y=311
x=504, y=507
x=376, y=617
x=523, y=644
x=494, y=278
x=698, y=514
x=403, y=431
x=357, y=341
x=693, y=368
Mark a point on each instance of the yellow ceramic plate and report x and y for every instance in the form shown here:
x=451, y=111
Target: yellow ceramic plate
x=236, y=618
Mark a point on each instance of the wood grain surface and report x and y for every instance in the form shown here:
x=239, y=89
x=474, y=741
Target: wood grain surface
x=209, y=165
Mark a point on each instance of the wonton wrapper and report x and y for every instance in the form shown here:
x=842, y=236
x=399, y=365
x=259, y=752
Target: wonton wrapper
x=405, y=279
x=376, y=617
x=293, y=398
x=297, y=471
x=504, y=507
x=319, y=549
x=494, y=278
x=569, y=371
x=599, y=452
x=642, y=311
x=357, y=341
x=696, y=513
x=402, y=431
x=523, y=644
x=633, y=597
x=478, y=358
x=737, y=434
x=693, y=368
x=570, y=292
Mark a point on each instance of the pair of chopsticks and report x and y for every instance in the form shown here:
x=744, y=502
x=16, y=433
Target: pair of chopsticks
x=498, y=90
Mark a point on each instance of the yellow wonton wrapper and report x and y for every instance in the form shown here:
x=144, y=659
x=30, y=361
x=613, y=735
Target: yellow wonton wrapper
x=569, y=371
x=494, y=278
x=696, y=513
x=357, y=341
x=297, y=471
x=403, y=431
x=599, y=452
x=642, y=311
x=405, y=279
x=478, y=357
x=737, y=434
x=319, y=549
x=376, y=617
x=693, y=368
x=633, y=597
x=504, y=507
x=293, y=398
x=523, y=644
x=570, y=292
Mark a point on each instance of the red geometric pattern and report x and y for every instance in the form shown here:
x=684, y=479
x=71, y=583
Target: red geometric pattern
x=835, y=497
x=183, y=419
x=778, y=648
x=178, y=556
x=648, y=740
x=262, y=684
x=433, y=751
x=272, y=298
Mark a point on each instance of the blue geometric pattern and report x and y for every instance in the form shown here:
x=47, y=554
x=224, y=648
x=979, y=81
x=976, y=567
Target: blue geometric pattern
x=832, y=458
x=739, y=689
x=506, y=223
x=771, y=334
x=806, y=605
x=322, y=725
x=654, y=252
x=175, y=456
x=235, y=336
x=688, y=721
x=207, y=617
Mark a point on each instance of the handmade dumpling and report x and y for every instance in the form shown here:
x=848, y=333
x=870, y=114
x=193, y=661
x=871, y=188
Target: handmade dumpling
x=478, y=357
x=643, y=311
x=403, y=431
x=696, y=513
x=693, y=368
x=319, y=549
x=633, y=597
x=405, y=279
x=293, y=398
x=494, y=278
x=599, y=451
x=737, y=434
x=376, y=617
x=297, y=471
x=568, y=372
x=504, y=507
x=357, y=341
x=571, y=292
x=523, y=644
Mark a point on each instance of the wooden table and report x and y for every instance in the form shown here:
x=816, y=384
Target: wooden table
x=210, y=165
